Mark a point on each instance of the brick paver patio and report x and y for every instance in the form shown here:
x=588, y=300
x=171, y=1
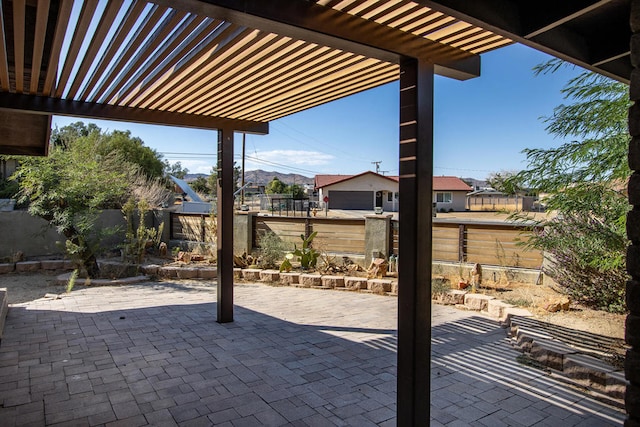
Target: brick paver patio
x=153, y=354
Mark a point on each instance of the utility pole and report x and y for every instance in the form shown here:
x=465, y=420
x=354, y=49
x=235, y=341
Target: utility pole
x=377, y=165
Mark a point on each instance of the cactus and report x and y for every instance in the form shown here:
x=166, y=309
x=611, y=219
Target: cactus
x=307, y=254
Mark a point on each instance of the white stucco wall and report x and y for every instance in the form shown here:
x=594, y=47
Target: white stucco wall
x=366, y=183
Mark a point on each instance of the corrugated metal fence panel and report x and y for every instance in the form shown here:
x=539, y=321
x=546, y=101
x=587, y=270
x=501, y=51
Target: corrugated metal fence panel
x=498, y=245
x=342, y=236
x=288, y=229
x=445, y=242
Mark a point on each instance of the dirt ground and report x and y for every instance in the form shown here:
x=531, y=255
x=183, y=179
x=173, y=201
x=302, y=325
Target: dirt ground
x=25, y=287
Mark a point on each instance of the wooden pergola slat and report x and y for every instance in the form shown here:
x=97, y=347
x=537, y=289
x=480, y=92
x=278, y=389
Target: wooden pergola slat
x=105, y=23
x=150, y=20
x=243, y=81
x=155, y=39
x=211, y=90
x=42, y=16
x=221, y=70
x=302, y=52
x=184, y=39
x=376, y=74
x=66, y=6
x=86, y=15
x=305, y=67
x=19, y=28
x=133, y=14
x=217, y=50
x=161, y=91
x=4, y=63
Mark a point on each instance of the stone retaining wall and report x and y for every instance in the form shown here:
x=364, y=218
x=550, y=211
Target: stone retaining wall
x=27, y=266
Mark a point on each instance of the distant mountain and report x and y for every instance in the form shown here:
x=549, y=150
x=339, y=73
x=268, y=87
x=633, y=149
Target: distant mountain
x=260, y=177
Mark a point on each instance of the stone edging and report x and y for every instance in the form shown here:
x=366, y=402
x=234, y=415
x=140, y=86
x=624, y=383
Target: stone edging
x=576, y=367
x=580, y=368
x=383, y=286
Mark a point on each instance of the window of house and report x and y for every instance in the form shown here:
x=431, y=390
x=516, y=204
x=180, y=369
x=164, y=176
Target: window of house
x=390, y=196
x=444, y=197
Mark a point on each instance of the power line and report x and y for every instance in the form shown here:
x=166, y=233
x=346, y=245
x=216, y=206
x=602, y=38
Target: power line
x=314, y=146
x=293, y=168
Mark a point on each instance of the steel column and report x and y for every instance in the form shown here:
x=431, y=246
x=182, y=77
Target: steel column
x=225, y=225
x=414, y=273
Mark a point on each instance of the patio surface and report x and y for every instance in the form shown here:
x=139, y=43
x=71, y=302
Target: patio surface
x=153, y=354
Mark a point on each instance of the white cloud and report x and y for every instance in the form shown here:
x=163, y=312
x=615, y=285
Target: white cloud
x=196, y=166
x=297, y=158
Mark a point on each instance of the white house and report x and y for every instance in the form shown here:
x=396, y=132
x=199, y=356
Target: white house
x=364, y=191
x=369, y=190
x=450, y=193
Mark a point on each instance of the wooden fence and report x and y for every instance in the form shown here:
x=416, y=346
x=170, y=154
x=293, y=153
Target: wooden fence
x=488, y=243
x=334, y=235
x=485, y=243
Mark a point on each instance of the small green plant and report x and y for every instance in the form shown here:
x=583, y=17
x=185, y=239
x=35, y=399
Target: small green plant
x=286, y=264
x=307, y=254
x=174, y=251
x=72, y=281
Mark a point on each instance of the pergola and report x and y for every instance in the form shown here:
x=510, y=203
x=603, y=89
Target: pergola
x=237, y=65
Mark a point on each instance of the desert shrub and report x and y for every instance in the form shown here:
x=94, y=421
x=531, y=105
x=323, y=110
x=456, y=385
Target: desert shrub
x=439, y=286
x=587, y=258
x=272, y=249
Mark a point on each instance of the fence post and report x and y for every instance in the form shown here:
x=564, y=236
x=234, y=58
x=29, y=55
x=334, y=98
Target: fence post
x=462, y=256
x=243, y=232
x=308, y=228
x=203, y=228
x=376, y=237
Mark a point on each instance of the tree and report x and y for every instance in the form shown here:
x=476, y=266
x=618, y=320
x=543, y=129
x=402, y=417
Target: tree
x=175, y=169
x=585, y=180
x=276, y=186
x=504, y=182
x=200, y=185
x=79, y=178
x=296, y=191
x=129, y=147
x=133, y=149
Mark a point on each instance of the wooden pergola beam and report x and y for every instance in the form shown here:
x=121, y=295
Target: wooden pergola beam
x=61, y=107
x=557, y=28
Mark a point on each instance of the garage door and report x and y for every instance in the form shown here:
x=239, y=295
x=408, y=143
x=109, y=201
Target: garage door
x=351, y=200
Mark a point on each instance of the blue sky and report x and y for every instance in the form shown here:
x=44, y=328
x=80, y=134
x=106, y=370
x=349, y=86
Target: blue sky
x=481, y=126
